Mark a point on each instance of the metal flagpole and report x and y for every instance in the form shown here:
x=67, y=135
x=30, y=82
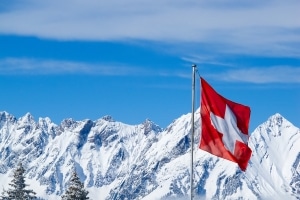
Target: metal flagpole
x=193, y=130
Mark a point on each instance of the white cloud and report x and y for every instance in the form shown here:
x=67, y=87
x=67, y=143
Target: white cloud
x=269, y=28
x=38, y=67
x=244, y=25
x=29, y=66
x=261, y=75
x=258, y=75
x=206, y=60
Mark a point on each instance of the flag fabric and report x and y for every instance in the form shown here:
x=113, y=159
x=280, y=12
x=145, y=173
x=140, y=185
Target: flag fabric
x=224, y=127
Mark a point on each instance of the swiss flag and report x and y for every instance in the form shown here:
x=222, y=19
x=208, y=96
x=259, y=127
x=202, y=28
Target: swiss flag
x=224, y=127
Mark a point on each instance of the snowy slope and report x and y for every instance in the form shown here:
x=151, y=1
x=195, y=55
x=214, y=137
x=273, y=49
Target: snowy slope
x=275, y=161
x=121, y=161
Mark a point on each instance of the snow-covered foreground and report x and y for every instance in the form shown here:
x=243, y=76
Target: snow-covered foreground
x=121, y=161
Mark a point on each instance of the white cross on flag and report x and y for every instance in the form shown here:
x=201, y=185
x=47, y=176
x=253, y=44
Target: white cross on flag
x=224, y=127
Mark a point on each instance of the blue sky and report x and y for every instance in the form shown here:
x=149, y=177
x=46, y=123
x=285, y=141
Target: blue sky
x=132, y=59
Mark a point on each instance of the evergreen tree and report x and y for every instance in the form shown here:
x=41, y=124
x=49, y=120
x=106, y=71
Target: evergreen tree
x=76, y=189
x=18, y=191
x=3, y=197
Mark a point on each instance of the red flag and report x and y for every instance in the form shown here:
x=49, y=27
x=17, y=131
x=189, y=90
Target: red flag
x=224, y=127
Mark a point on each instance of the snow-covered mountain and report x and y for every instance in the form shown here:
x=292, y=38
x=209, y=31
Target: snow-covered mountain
x=121, y=161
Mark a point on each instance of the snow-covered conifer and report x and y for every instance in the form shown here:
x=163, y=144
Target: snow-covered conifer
x=17, y=190
x=76, y=189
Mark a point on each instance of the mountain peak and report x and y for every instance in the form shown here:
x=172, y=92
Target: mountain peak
x=274, y=127
x=67, y=123
x=108, y=118
x=27, y=118
x=3, y=113
x=142, y=161
x=276, y=120
x=6, y=116
x=149, y=126
x=276, y=116
x=148, y=121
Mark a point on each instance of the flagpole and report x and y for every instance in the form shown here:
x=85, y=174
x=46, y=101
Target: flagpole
x=193, y=130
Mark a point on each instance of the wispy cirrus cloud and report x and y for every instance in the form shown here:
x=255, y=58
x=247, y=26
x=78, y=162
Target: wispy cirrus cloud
x=10, y=66
x=260, y=75
x=257, y=75
x=269, y=27
x=31, y=66
x=206, y=60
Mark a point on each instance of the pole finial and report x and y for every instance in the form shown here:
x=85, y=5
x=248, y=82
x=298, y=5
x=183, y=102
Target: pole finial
x=193, y=65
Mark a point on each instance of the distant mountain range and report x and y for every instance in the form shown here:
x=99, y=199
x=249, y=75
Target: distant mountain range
x=121, y=161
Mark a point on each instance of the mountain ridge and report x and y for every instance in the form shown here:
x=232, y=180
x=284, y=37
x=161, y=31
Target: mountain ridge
x=144, y=161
